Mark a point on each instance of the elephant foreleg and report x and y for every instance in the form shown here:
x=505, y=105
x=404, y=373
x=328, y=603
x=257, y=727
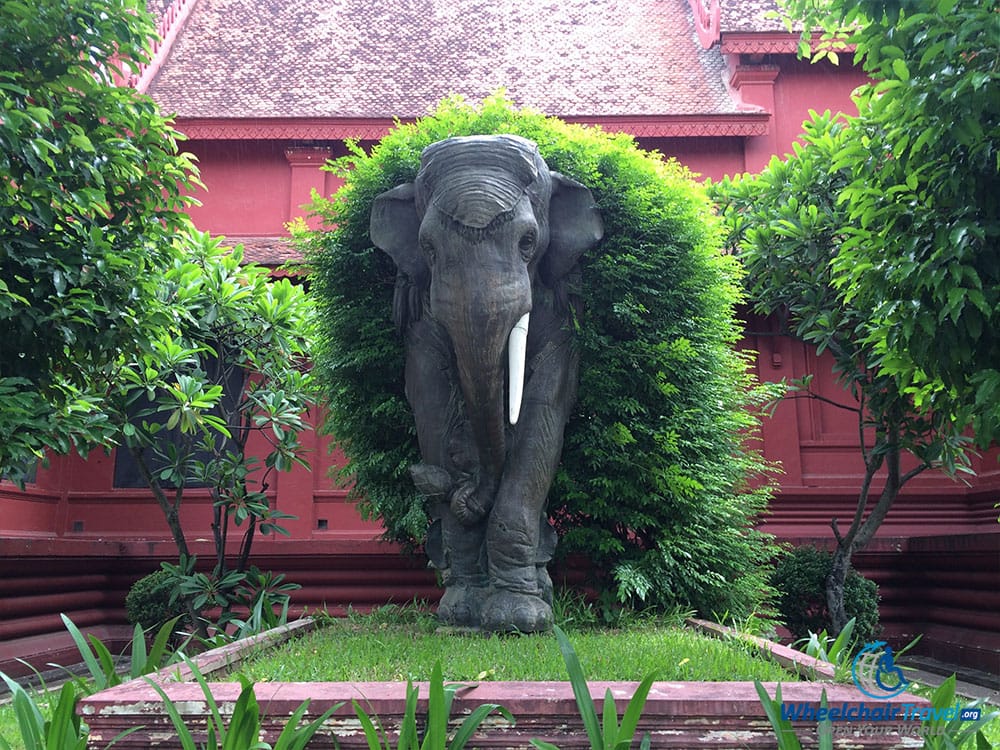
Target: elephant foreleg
x=522, y=592
x=456, y=549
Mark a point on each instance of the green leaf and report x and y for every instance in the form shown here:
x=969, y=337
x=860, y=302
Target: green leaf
x=584, y=701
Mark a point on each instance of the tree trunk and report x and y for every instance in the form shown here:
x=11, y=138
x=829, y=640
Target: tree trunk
x=170, y=510
x=835, y=587
x=863, y=528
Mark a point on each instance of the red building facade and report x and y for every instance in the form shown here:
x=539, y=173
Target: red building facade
x=267, y=91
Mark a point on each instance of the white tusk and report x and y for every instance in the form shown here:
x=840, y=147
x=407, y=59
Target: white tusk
x=517, y=348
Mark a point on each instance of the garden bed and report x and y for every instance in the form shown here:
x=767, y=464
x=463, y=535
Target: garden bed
x=677, y=714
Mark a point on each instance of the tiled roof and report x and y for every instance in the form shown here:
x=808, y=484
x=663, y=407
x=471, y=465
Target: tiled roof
x=268, y=251
x=157, y=8
x=398, y=58
x=749, y=16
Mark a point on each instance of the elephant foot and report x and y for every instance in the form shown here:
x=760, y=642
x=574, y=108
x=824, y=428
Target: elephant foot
x=511, y=612
x=461, y=604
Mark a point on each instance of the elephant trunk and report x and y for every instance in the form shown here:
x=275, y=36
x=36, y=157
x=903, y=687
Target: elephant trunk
x=482, y=379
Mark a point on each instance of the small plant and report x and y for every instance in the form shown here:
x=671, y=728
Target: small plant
x=946, y=730
x=837, y=651
x=783, y=730
x=63, y=731
x=103, y=667
x=607, y=733
x=265, y=596
x=439, y=703
x=800, y=578
x=150, y=603
x=243, y=728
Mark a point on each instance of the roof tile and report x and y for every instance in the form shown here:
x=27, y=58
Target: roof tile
x=376, y=59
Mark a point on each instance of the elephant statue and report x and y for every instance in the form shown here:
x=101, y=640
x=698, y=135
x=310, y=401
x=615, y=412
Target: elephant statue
x=486, y=242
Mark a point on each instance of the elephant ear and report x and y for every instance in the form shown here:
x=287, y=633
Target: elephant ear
x=575, y=226
x=394, y=228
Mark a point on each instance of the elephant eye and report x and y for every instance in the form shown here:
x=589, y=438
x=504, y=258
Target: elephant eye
x=527, y=244
x=427, y=247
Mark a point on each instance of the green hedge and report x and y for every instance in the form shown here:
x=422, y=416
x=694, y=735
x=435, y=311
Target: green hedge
x=653, y=485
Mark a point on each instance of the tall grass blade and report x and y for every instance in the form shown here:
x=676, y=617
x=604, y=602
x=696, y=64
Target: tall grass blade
x=610, y=721
x=408, y=729
x=96, y=672
x=140, y=657
x=633, y=711
x=437, y=712
x=584, y=701
x=295, y=737
x=824, y=732
x=158, y=651
x=30, y=721
x=180, y=726
x=106, y=660
x=472, y=722
x=783, y=730
x=62, y=731
x=375, y=736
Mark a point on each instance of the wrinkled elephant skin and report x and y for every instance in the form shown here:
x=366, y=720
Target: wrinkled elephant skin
x=487, y=241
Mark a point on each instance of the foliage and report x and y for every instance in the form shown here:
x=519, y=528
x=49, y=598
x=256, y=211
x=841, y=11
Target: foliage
x=263, y=595
x=942, y=733
x=103, y=667
x=654, y=474
x=800, y=578
x=148, y=602
x=789, y=226
x=91, y=188
x=439, y=701
x=241, y=729
x=921, y=172
x=606, y=733
x=227, y=368
x=63, y=731
x=838, y=651
x=784, y=732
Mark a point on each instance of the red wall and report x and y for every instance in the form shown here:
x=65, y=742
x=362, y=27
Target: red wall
x=802, y=86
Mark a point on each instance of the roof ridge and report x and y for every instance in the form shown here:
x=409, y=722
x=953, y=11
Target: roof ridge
x=169, y=26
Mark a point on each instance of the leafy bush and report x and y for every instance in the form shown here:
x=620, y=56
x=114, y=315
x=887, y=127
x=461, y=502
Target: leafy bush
x=655, y=470
x=148, y=601
x=800, y=578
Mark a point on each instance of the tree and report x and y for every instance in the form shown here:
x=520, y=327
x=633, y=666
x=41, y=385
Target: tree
x=922, y=249
x=90, y=195
x=655, y=484
x=790, y=225
x=228, y=365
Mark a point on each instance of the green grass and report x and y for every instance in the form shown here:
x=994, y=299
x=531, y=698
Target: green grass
x=404, y=644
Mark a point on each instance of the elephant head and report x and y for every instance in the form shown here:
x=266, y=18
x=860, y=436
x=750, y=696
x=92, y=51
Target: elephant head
x=481, y=230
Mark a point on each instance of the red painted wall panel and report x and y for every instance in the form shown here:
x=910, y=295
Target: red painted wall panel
x=246, y=189
x=802, y=86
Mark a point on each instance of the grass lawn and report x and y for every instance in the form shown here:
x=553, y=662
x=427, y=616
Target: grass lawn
x=398, y=644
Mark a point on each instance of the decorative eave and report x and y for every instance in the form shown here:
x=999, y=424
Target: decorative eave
x=769, y=43
x=759, y=43
x=741, y=124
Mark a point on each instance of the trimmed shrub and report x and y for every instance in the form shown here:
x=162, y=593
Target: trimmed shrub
x=148, y=601
x=654, y=485
x=800, y=579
